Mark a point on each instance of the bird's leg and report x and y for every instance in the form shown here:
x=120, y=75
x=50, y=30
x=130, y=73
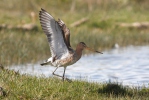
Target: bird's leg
x=64, y=76
x=61, y=76
x=56, y=74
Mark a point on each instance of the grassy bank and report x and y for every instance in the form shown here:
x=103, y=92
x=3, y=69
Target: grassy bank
x=25, y=87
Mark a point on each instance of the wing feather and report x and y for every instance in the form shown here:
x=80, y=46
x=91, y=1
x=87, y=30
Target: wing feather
x=53, y=33
x=66, y=32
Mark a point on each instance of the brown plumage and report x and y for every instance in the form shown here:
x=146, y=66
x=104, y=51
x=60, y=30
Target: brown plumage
x=62, y=54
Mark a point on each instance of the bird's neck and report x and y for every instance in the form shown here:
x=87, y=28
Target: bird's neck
x=78, y=52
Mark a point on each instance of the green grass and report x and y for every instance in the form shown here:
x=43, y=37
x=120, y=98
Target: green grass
x=18, y=47
x=27, y=87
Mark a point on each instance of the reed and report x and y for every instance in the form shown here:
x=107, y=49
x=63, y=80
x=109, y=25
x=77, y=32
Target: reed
x=18, y=47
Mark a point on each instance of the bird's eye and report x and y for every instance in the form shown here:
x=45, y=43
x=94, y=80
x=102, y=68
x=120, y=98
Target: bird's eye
x=83, y=43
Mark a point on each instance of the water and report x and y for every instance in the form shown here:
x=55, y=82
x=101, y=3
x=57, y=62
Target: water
x=129, y=65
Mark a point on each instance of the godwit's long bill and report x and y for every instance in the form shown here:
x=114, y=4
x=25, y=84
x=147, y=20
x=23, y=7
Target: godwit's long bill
x=62, y=54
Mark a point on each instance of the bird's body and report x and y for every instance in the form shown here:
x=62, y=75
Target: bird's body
x=64, y=61
x=62, y=54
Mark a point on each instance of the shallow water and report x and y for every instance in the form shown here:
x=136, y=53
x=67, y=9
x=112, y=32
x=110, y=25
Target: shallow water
x=129, y=65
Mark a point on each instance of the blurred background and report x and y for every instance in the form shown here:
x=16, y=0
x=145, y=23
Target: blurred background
x=101, y=24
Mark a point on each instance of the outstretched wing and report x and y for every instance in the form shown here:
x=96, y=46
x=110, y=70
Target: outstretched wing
x=66, y=32
x=54, y=34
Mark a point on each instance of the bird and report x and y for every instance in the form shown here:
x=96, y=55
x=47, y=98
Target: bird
x=58, y=35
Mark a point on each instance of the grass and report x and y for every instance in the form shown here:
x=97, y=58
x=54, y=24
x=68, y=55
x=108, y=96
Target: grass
x=25, y=87
x=18, y=47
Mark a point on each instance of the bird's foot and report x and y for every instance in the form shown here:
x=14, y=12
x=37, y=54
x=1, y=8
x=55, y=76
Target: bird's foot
x=69, y=80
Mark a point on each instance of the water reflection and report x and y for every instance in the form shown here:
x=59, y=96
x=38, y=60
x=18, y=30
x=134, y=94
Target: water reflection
x=129, y=65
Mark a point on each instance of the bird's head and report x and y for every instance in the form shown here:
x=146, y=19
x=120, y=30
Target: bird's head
x=82, y=46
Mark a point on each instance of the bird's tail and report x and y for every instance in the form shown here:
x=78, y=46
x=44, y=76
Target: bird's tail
x=48, y=62
x=42, y=64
